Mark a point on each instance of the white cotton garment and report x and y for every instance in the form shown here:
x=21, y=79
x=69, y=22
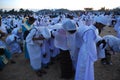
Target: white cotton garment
x=45, y=32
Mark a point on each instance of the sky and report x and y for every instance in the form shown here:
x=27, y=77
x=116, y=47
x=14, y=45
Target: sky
x=57, y=4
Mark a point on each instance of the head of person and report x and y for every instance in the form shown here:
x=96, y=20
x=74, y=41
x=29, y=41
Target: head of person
x=69, y=26
x=69, y=16
x=100, y=22
x=31, y=20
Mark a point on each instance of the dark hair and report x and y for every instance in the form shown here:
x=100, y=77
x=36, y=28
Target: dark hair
x=101, y=42
x=31, y=19
x=72, y=31
x=1, y=51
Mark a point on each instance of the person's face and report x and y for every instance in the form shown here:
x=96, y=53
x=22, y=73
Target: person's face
x=100, y=26
x=30, y=22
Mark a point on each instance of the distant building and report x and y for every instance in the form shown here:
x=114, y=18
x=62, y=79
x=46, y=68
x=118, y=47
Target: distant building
x=88, y=9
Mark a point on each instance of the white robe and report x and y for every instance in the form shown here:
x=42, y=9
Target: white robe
x=87, y=55
x=60, y=40
x=34, y=50
x=13, y=45
x=45, y=50
x=117, y=25
x=52, y=47
x=3, y=29
x=100, y=49
x=112, y=42
x=66, y=41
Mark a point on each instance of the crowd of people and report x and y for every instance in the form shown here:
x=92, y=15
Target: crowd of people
x=76, y=39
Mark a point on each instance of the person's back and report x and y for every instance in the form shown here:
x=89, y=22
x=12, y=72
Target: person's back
x=87, y=54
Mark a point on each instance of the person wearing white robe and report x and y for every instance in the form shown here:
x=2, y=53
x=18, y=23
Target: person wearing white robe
x=118, y=33
x=100, y=22
x=112, y=46
x=45, y=54
x=34, y=41
x=87, y=54
x=64, y=40
x=26, y=27
x=3, y=30
x=100, y=48
x=12, y=43
x=53, y=50
x=85, y=67
x=117, y=25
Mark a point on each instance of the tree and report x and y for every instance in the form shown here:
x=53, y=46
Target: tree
x=5, y=12
x=21, y=11
x=102, y=9
x=28, y=11
x=1, y=11
x=11, y=11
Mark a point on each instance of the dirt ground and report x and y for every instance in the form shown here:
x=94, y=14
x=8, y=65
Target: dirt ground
x=22, y=70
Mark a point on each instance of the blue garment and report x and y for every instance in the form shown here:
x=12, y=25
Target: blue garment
x=6, y=52
x=24, y=28
x=24, y=43
x=2, y=65
x=7, y=55
x=26, y=51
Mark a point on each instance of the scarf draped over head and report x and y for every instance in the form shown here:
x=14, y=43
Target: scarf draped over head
x=101, y=19
x=45, y=32
x=68, y=25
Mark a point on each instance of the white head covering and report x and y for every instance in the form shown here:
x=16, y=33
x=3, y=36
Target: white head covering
x=45, y=32
x=69, y=25
x=56, y=26
x=101, y=19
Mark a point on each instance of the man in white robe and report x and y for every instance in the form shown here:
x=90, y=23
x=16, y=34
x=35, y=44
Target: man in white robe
x=100, y=22
x=65, y=41
x=112, y=46
x=34, y=41
x=98, y=25
x=87, y=37
x=87, y=54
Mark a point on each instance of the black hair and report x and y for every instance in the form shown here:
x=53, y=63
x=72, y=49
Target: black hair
x=101, y=42
x=72, y=31
x=32, y=19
